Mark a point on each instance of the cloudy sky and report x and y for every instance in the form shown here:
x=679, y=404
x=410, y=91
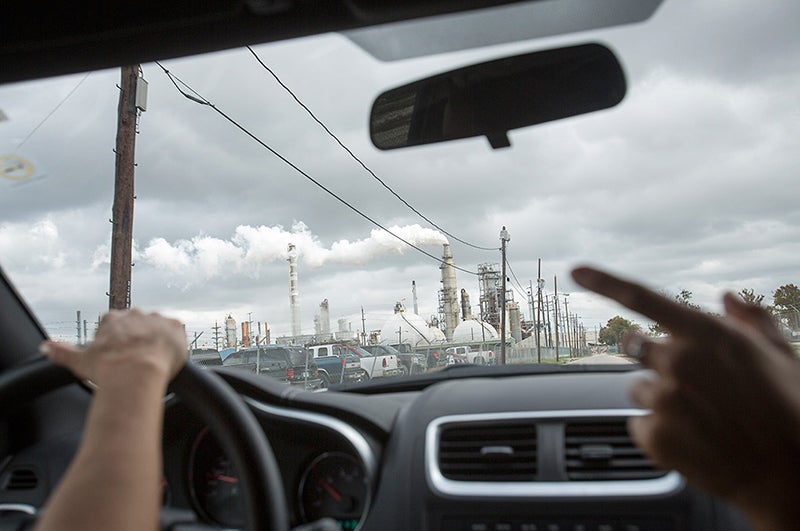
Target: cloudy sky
x=690, y=183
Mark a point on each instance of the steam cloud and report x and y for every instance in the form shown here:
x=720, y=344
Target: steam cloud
x=251, y=247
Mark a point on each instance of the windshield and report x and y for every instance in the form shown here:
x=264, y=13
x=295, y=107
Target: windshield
x=253, y=225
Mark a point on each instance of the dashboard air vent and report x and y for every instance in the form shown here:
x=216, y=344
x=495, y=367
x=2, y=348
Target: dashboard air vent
x=21, y=479
x=479, y=451
x=603, y=451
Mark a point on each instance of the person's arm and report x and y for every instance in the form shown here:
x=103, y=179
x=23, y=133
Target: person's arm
x=724, y=399
x=113, y=481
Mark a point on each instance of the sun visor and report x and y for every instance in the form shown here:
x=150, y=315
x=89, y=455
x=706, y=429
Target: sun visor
x=497, y=25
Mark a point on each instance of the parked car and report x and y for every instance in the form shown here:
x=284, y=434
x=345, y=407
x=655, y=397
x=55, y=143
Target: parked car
x=291, y=365
x=409, y=361
x=337, y=364
x=205, y=357
x=468, y=354
x=375, y=366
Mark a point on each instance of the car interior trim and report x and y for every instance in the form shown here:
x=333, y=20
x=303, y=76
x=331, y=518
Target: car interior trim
x=18, y=508
x=667, y=484
x=357, y=441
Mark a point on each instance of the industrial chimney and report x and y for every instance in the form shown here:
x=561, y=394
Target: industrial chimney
x=449, y=293
x=324, y=318
x=466, y=310
x=294, y=297
x=230, y=332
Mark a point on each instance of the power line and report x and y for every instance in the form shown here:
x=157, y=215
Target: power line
x=518, y=286
x=53, y=110
x=203, y=101
x=360, y=162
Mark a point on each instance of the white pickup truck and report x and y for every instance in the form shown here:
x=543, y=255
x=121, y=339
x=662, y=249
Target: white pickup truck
x=374, y=366
x=467, y=354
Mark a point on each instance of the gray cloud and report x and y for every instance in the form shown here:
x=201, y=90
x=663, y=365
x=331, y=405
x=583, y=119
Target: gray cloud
x=689, y=183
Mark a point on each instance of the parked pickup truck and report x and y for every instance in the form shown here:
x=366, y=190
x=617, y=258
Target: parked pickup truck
x=375, y=366
x=341, y=367
x=468, y=354
x=410, y=361
x=287, y=364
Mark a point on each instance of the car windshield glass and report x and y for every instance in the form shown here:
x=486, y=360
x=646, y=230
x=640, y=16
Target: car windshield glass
x=254, y=226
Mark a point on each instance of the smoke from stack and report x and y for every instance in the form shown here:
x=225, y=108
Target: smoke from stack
x=203, y=257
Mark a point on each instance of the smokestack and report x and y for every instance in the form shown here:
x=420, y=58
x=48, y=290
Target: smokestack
x=230, y=332
x=515, y=321
x=245, y=334
x=449, y=293
x=414, y=296
x=294, y=297
x=324, y=318
x=466, y=310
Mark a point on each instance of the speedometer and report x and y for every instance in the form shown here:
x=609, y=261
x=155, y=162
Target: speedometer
x=335, y=486
x=214, y=483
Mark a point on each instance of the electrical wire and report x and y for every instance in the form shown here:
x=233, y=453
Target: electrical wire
x=70, y=93
x=360, y=162
x=519, y=287
x=197, y=98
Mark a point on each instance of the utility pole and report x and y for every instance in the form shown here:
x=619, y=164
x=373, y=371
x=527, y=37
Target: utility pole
x=539, y=324
x=216, y=328
x=79, y=328
x=504, y=239
x=363, y=328
x=122, y=212
x=555, y=310
x=568, y=333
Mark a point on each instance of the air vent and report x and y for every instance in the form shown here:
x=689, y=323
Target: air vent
x=481, y=451
x=603, y=451
x=21, y=479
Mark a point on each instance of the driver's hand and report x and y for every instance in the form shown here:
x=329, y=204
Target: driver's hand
x=125, y=342
x=724, y=397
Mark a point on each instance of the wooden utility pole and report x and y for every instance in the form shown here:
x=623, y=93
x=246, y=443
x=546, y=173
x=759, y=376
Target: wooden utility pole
x=122, y=214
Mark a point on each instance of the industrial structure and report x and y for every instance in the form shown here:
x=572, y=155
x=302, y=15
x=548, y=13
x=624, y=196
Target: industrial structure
x=448, y=295
x=294, y=294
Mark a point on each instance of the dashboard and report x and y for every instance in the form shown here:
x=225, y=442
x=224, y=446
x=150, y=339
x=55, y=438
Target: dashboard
x=544, y=452
x=466, y=449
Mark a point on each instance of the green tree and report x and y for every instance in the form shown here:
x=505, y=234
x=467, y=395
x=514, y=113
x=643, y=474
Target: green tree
x=786, y=300
x=615, y=328
x=683, y=297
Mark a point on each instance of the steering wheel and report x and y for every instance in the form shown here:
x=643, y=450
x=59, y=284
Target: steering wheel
x=213, y=401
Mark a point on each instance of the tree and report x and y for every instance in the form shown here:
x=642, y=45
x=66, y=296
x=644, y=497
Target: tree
x=787, y=304
x=615, y=328
x=683, y=297
x=749, y=296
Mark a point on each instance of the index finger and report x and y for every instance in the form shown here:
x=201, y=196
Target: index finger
x=677, y=317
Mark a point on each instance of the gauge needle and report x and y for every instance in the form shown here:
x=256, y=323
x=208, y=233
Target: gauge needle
x=325, y=485
x=222, y=477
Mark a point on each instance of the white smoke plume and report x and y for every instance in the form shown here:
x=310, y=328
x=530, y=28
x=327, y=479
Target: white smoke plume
x=250, y=248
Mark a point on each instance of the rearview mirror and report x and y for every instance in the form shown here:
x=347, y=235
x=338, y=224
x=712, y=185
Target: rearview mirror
x=489, y=99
